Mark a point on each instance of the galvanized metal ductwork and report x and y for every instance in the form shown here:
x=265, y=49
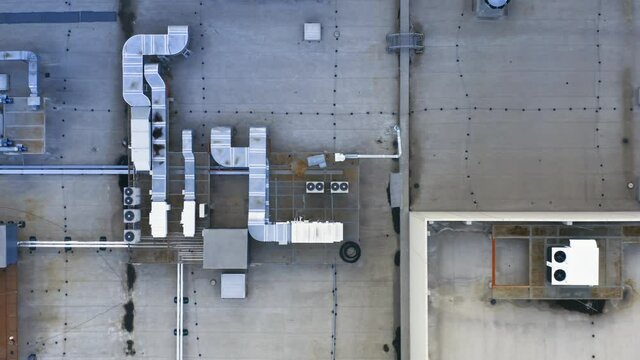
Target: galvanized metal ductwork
x=138, y=46
x=188, y=218
x=133, y=52
x=159, y=141
x=258, y=221
x=259, y=226
x=32, y=59
x=222, y=151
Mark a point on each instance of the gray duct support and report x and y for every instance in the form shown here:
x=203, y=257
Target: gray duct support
x=133, y=52
x=32, y=60
x=223, y=153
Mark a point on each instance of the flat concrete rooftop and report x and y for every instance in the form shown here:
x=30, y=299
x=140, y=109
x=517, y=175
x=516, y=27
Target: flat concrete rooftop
x=536, y=111
x=249, y=66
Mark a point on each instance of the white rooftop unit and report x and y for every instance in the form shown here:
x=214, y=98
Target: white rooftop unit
x=312, y=32
x=576, y=264
x=232, y=286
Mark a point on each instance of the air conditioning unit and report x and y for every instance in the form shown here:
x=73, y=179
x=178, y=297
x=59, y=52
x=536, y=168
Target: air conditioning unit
x=574, y=265
x=339, y=187
x=131, y=216
x=315, y=187
x=132, y=235
x=131, y=196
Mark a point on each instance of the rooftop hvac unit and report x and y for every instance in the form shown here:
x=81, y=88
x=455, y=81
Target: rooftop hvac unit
x=131, y=216
x=576, y=264
x=131, y=196
x=132, y=235
x=339, y=187
x=315, y=187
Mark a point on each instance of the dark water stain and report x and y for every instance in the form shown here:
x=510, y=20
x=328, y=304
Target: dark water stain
x=123, y=180
x=131, y=276
x=130, y=351
x=157, y=117
x=157, y=132
x=127, y=321
x=157, y=148
x=126, y=17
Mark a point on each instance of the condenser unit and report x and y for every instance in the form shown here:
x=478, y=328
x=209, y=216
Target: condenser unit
x=131, y=216
x=315, y=187
x=131, y=196
x=132, y=235
x=339, y=187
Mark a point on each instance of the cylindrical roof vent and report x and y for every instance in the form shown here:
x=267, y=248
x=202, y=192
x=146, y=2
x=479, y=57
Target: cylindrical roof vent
x=497, y=4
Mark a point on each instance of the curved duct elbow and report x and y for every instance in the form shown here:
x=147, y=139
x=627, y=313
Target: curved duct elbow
x=137, y=46
x=222, y=151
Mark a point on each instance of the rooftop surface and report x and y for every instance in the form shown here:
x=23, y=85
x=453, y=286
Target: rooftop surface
x=535, y=111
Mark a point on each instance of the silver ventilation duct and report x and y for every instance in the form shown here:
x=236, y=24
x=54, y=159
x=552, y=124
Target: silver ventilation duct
x=188, y=219
x=160, y=130
x=223, y=153
x=158, y=218
x=259, y=226
x=174, y=42
x=133, y=52
x=31, y=58
x=258, y=221
x=189, y=165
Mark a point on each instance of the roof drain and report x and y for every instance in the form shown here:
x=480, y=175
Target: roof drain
x=259, y=227
x=30, y=57
x=188, y=219
x=133, y=51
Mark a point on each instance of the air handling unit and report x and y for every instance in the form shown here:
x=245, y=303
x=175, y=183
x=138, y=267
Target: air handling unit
x=573, y=265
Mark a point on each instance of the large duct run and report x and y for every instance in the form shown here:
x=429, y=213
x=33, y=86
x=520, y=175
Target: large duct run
x=133, y=52
x=158, y=218
x=188, y=219
x=34, y=99
x=259, y=226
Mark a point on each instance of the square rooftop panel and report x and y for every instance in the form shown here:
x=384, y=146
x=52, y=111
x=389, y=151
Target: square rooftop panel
x=225, y=248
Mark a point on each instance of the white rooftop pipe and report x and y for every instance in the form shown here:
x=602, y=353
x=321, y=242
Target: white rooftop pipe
x=339, y=157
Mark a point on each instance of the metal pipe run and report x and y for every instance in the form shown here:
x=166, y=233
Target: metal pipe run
x=179, y=309
x=339, y=157
x=91, y=244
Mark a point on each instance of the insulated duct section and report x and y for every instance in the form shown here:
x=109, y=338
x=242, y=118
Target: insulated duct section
x=159, y=140
x=259, y=226
x=133, y=52
x=30, y=57
x=188, y=219
x=223, y=153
